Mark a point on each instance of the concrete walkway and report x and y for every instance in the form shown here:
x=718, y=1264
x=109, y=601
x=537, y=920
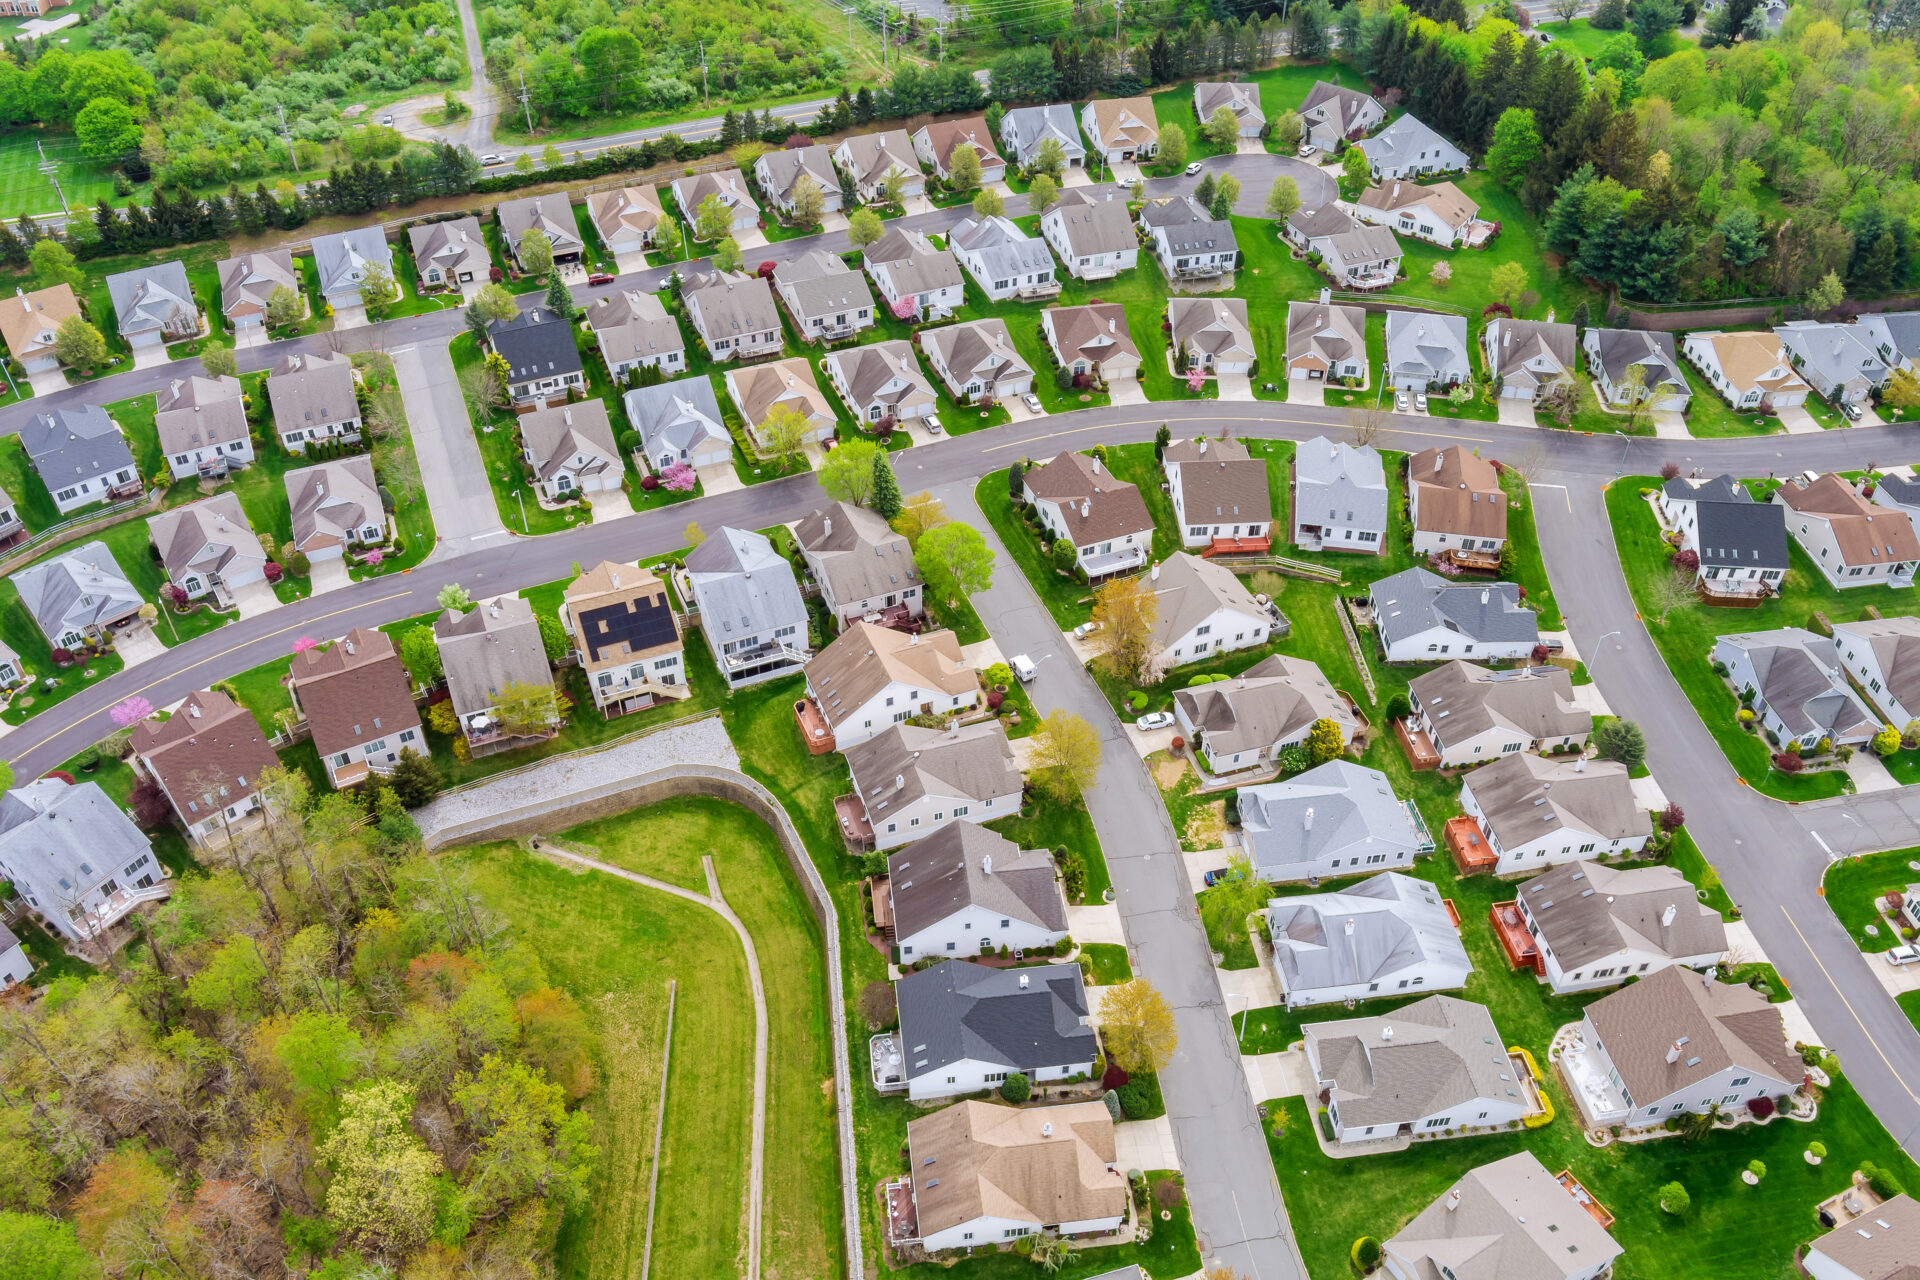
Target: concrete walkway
x=464, y=513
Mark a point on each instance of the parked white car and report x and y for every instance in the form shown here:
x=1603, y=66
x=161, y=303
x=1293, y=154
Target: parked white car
x=1154, y=720
x=1905, y=953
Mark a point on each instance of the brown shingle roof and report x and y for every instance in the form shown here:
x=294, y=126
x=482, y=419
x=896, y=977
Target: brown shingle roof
x=1883, y=1244
x=1447, y=201
x=210, y=754
x=963, y=864
x=1096, y=333
x=944, y=135
x=354, y=691
x=1714, y=1024
x=1044, y=1164
x=1867, y=534
x=1588, y=910
x=1526, y=796
x=1222, y=490
x=1458, y=493
x=1095, y=504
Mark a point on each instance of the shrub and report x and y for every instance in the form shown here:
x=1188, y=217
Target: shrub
x=1757, y=1169
x=1817, y=1149
x=62, y=657
x=1016, y=1088
x=272, y=571
x=1787, y=762
x=1760, y=1108
x=1674, y=1199
x=649, y=482
x=1065, y=554
x=1365, y=1253
x=1883, y=1183
x=1745, y=715
x=1136, y=1098
x=994, y=699
x=1137, y=700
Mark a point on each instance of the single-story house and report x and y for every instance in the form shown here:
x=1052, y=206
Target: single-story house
x=964, y=1028
x=1391, y=934
x=881, y=380
x=208, y=547
x=543, y=362
x=246, y=284
x=1455, y=501
x=1003, y=260
x=1210, y=335
x=1093, y=234
x=451, y=255
x=1422, y=617
x=1204, y=609
x=346, y=260
x=626, y=217
x=680, y=422
x=1240, y=97
x=729, y=187
x=1596, y=925
x=1189, y=242
x=1092, y=341
x=1883, y=655
x=30, y=325
x=81, y=455
x=201, y=424
x=1514, y=1214
x=1837, y=360
x=1531, y=358
x=1473, y=715
x=335, y=505
x=1613, y=355
x=78, y=597
x=967, y=891
x=76, y=858
x=934, y=143
x=1536, y=811
x=154, y=305
x=571, y=450
x=1431, y=1069
x=1426, y=352
x=1336, y=819
x=977, y=361
x=827, y=299
x=1409, y=149
x=1024, y=129
x=910, y=272
x=1325, y=341
x=790, y=384
x=492, y=654
x=871, y=158
x=1332, y=114
x=1796, y=685
x=313, y=397
x=1750, y=369
x=872, y=678
x=779, y=174
x=910, y=781
x=1440, y=214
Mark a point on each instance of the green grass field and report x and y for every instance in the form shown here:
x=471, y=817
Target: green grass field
x=1856, y=886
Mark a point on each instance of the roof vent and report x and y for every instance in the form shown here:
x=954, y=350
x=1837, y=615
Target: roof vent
x=1023, y=982
x=1046, y=1129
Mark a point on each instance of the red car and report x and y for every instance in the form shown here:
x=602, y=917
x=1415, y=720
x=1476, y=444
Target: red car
x=601, y=277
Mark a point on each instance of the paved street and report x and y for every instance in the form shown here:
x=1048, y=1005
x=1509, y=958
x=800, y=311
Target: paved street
x=464, y=513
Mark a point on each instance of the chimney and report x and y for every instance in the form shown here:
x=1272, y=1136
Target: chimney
x=1023, y=982
x=1086, y=507
x=1436, y=462
x=986, y=865
x=1386, y=1033
x=1667, y=916
x=1486, y=595
x=1153, y=574
x=1673, y=1053
x=1453, y=1199
x=1046, y=1130
x=1306, y=824
x=1203, y=446
x=1348, y=930
x=1580, y=765
x=1110, y=326
x=193, y=709
x=1326, y=296
x=899, y=780
x=1096, y=466
x=826, y=527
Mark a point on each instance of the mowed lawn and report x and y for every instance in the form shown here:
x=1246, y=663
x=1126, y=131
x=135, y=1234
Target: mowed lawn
x=1856, y=888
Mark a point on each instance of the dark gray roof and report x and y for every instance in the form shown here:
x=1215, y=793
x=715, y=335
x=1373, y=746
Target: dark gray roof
x=1621, y=349
x=1801, y=680
x=956, y=1011
x=80, y=587
x=68, y=445
x=1188, y=227
x=535, y=344
x=1743, y=535
x=1899, y=489
x=1414, y=600
x=1722, y=488
x=963, y=865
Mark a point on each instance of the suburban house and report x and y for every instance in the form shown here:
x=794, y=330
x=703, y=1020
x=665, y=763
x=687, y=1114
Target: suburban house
x=1003, y=260
x=542, y=361
x=11, y=531
x=1613, y=356
x=750, y=606
x=78, y=597
x=1092, y=341
x=626, y=637
x=982, y=1174
x=964, y=1028
x=680, y=422
x=1093, y=235
x=1332, y=114
x=571, y=450
x=1472, y=715
x=1105, y=518
x=335, y=504
x=1837, y=360
x=1409, y=149
x=1750, y=369
x=1678, y=1041
x=788, y=384
x=872, y=678
x=208, y=759
x=1241, y=98
x=977, y=360
x=910, y=271
x=1878, y=1245
x=81, y=455
x=30, y=324
x=1356, y=255
x=1304, y=226
x=1884, y=656
x=357, y=700
x=346, y=259
x=1510, y=1218
x=863, y=566
x=734, y=315
x=1853, y=542
x=208, y=547
x=1894, y=337
x=313, y=398
x=935, y=143
x=729, y=187
x=826, y=298
x=1534, y=811
x=1220, y=495
x=1455, y=501
x=627, y=217
x=1203, y=608
x=1431, y=1069
x=451, y=255
x=1422, y=617
x=76, y=857
x=881, y=381
x=1426, y=352
x=1210, y=335
x=909, y=782
x=779, y=173
x=1532, y=358
x=1441, y=214
x=15, y=966
x=1349, y=484
x=1742, y=544
x=1336, y=819
x=1596, y=926
x=246, y=283
x=968, y=891
x=1897, y=492
x=1023, y=129
x=1794, y=682
x=1122, y=129
x=154, y=305
x=492, y=655
x=1387, y=935
x=636, y=332
x=1325, y=342
x=201, y=424
x=871, y=158
x=1190, y=243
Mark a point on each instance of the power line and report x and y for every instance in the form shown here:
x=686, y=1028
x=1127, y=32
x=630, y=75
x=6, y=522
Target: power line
x=52, y=169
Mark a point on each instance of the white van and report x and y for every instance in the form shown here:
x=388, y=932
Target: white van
x=1023, y=669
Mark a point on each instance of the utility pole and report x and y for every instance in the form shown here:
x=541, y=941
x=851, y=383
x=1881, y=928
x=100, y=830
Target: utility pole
x=52, y=169
x=1116, y=23
x=524, y=104
x=706, y=96
x=288, y=136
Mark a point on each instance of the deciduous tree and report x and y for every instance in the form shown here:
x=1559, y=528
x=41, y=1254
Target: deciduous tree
x=1515, y=147
x=955, y=560
x=1222, y=128
x=378, y=289
x=1173, y=145
x=53, y=264
x=1042, y=192
x=918, y=514
x=529, y=1143
x=219, y=362
x=963, y=169
x=1355, y=173
x=1283, y=198
x=727, y=255
x=1066, y=755
x=784, y=430
x=284, y=308
x=1225, y=192
x=1137, y=1026
x=1126, y=609
x=1507, y=282
x=864, y=227
x=1050, y=157
x=988, y=204
x=809, y=201
x=79, y=345
x=382, y=1193
x=1324, y=741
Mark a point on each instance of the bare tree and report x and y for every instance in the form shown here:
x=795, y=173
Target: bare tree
x=1671, y=590
x=1365, y=423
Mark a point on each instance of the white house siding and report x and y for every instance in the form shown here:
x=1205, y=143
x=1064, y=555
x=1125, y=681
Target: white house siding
x=990, y=1231
x=1489, y=744
x=1050, y=516
x=892, y=706
x=895, y=827
x=1438, y=643
x=1698, y=1097
x=92, y=489
x=1612, y=970
x=380, y=753
x=970, y=931
x=971, y=1075
x=1857, y=656
x=14, y=965
x=347, y=428
x=1562, y=844
x=186, y=466
x=1417, y=980
x=1202, y=535
x=1815, y=537
x=1224, y=631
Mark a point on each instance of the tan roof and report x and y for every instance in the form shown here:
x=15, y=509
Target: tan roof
x=1524, y=796
x=729, y=306
x=625, y=613
x=487, y=648
x=1190, y=590
x=1095, y=504
x=897, y=767
x=1458, y=493
x=1201, y=447
x=1094, y=224
x=856, y=553
x=1509, y=1220
x=865, y=659
x=312, y=387
x=1041, y=1164
x=884, y=373
x=1896, y=648
x=1275, y=698
x=1096, y=333
x=1216, y=326
x=1464, y=701
x=1518, y=341
x=1882, y=1244
x=1704, y=1026
x=208, y=536
x=1126, y=121
x=635, y=209
x=633, y=326
x=354, y=691
x=1448, y=202
x=944, y=135
x=1319, y=334
x=248, y=281
x=1588, y=910
x=208, y=755
x=195, y=413
x=576, y=438
x=332, y=499
x=1755, y=360
x=26, y=316
x=758, y=388
x=1867, y=533
x=872, y=156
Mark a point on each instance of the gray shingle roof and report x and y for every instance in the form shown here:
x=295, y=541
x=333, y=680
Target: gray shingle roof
x=634, y=326
x=1834, y=353
x=743, y=586
x=965, y=865
x=1524, y=797
x=1216, y=326
x=1417, y=1061
x=681, y=415
x=1426, y=345
x=1188, y=227
x=454, y=245
x=1586, y=911
x=489, y=647
x=208, y=536
x=69, y=445
x=1515, y=342
x=576, y=438
x=1622, y=349
x=1004, y=249
x=1338, y=809
x=342, y=259
x=728, y=306
x=1463, y=701
x=976, y=349
x=151, y=298
x=1881, y=1245
x=1027, y=127
x=956, y=1011
x=249, y=280
x=1414, y=600
x=1346, y=482
x=1801, y=681
x=198, y=412
x=912, y=263
x=1190, y=590
x=61, y=841
x=551, y=215
x=80, y=587
x=1402, y=142
x=535, y=343
x=781, y=171
x=856, y=552
x=818, y=283
x=1093, y=224
x=1742, y=535
x=1397, y=922
x=973, y=760
x=312, y=389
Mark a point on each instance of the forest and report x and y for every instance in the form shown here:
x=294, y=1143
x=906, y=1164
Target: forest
x=324, y=1053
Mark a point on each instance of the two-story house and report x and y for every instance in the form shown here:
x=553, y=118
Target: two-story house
x=1104, y=517
x=913, y=276
x=1532, y=359
x=1003, y=260
x=1092, y=233
x=571, y=450
x=1536, y=811
x=909, y=782
x=1204, y=609
x=495, y=665
x=1883, y=655
x=208, y=759
x=881, y=381
x=871, y=158
x=635, y=332
x=1122, y=129
x=358, y=703
x=1219, y=493
x=750, y=606
x=734, y=315
x=1189, y=242
x=872, y=678
x=1455, y=502
x=313, y=397
x=1332, y=114
x=977, y=361
x=967, y=891
x=202, y=427
x=1340, y=497
x=827, y=299
x=81, y=455
x=1025, y=129
x=1093, y=342
x=208, y=547
x=543, y=362
x=75, y=857
x=626, y=637
x=1440, y=214
x=863, y=566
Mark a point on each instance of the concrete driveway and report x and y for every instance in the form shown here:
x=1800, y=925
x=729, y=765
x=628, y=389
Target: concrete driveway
x=1306, y=391
x=1099, y=923
x=831, y=222
x=1017, y=411
x=255, y=599
x=1145, y=1144
x=1236, y=386
x=1669, y=425
x=450, y=464
x=1076, y=176
x=137, y=644
x=719, y=478
x=329, y=575
x=150, y=357
x=1126, y=391
x=353, y=317
x=753, y=239
x=1799, y=422
x=629, y=262
x=1515, y=412
x=47, y=381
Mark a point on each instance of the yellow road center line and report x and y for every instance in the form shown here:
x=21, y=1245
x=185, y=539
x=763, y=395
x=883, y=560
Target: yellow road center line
x=1850, y=1010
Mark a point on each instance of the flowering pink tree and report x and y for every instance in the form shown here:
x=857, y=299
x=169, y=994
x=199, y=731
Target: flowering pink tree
x=374, y=556
x=304, y=643
x=131, y=712
x=1196, y=382
x=903, y=309
x=679, y=478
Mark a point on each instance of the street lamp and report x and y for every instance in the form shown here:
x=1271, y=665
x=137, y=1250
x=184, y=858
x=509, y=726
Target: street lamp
x=518, y=497
x=1858, y=827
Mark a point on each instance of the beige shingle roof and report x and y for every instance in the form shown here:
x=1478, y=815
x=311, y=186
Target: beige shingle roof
x=1867, y=534
x=1587, y=910
x=635, y=210
x=1126, y=121
x=577, y=438
x=897, y=767
x=1715, y=1025
x=197, y=413
x=1509, y=1220
x=26, y=316
x=1525, y=796
x=1275, y=698
x=865, y=659
x=1417, y=1061
x=1042, y=1164
x=1881, y=1245
x=791, y=382
x=1096, y=333
x=1463, y=701
x=1447, y=201
x=1215, y=326
x=1458, y=493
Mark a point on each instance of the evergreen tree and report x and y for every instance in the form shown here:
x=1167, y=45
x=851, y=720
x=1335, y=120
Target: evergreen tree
x=415, y=779
x=863, y=106
x=729, y=129
x=13, y=252
x=1160, y=59
x=885, y=498
x=113, y=232
x=560, y=298
x=1203, y=194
